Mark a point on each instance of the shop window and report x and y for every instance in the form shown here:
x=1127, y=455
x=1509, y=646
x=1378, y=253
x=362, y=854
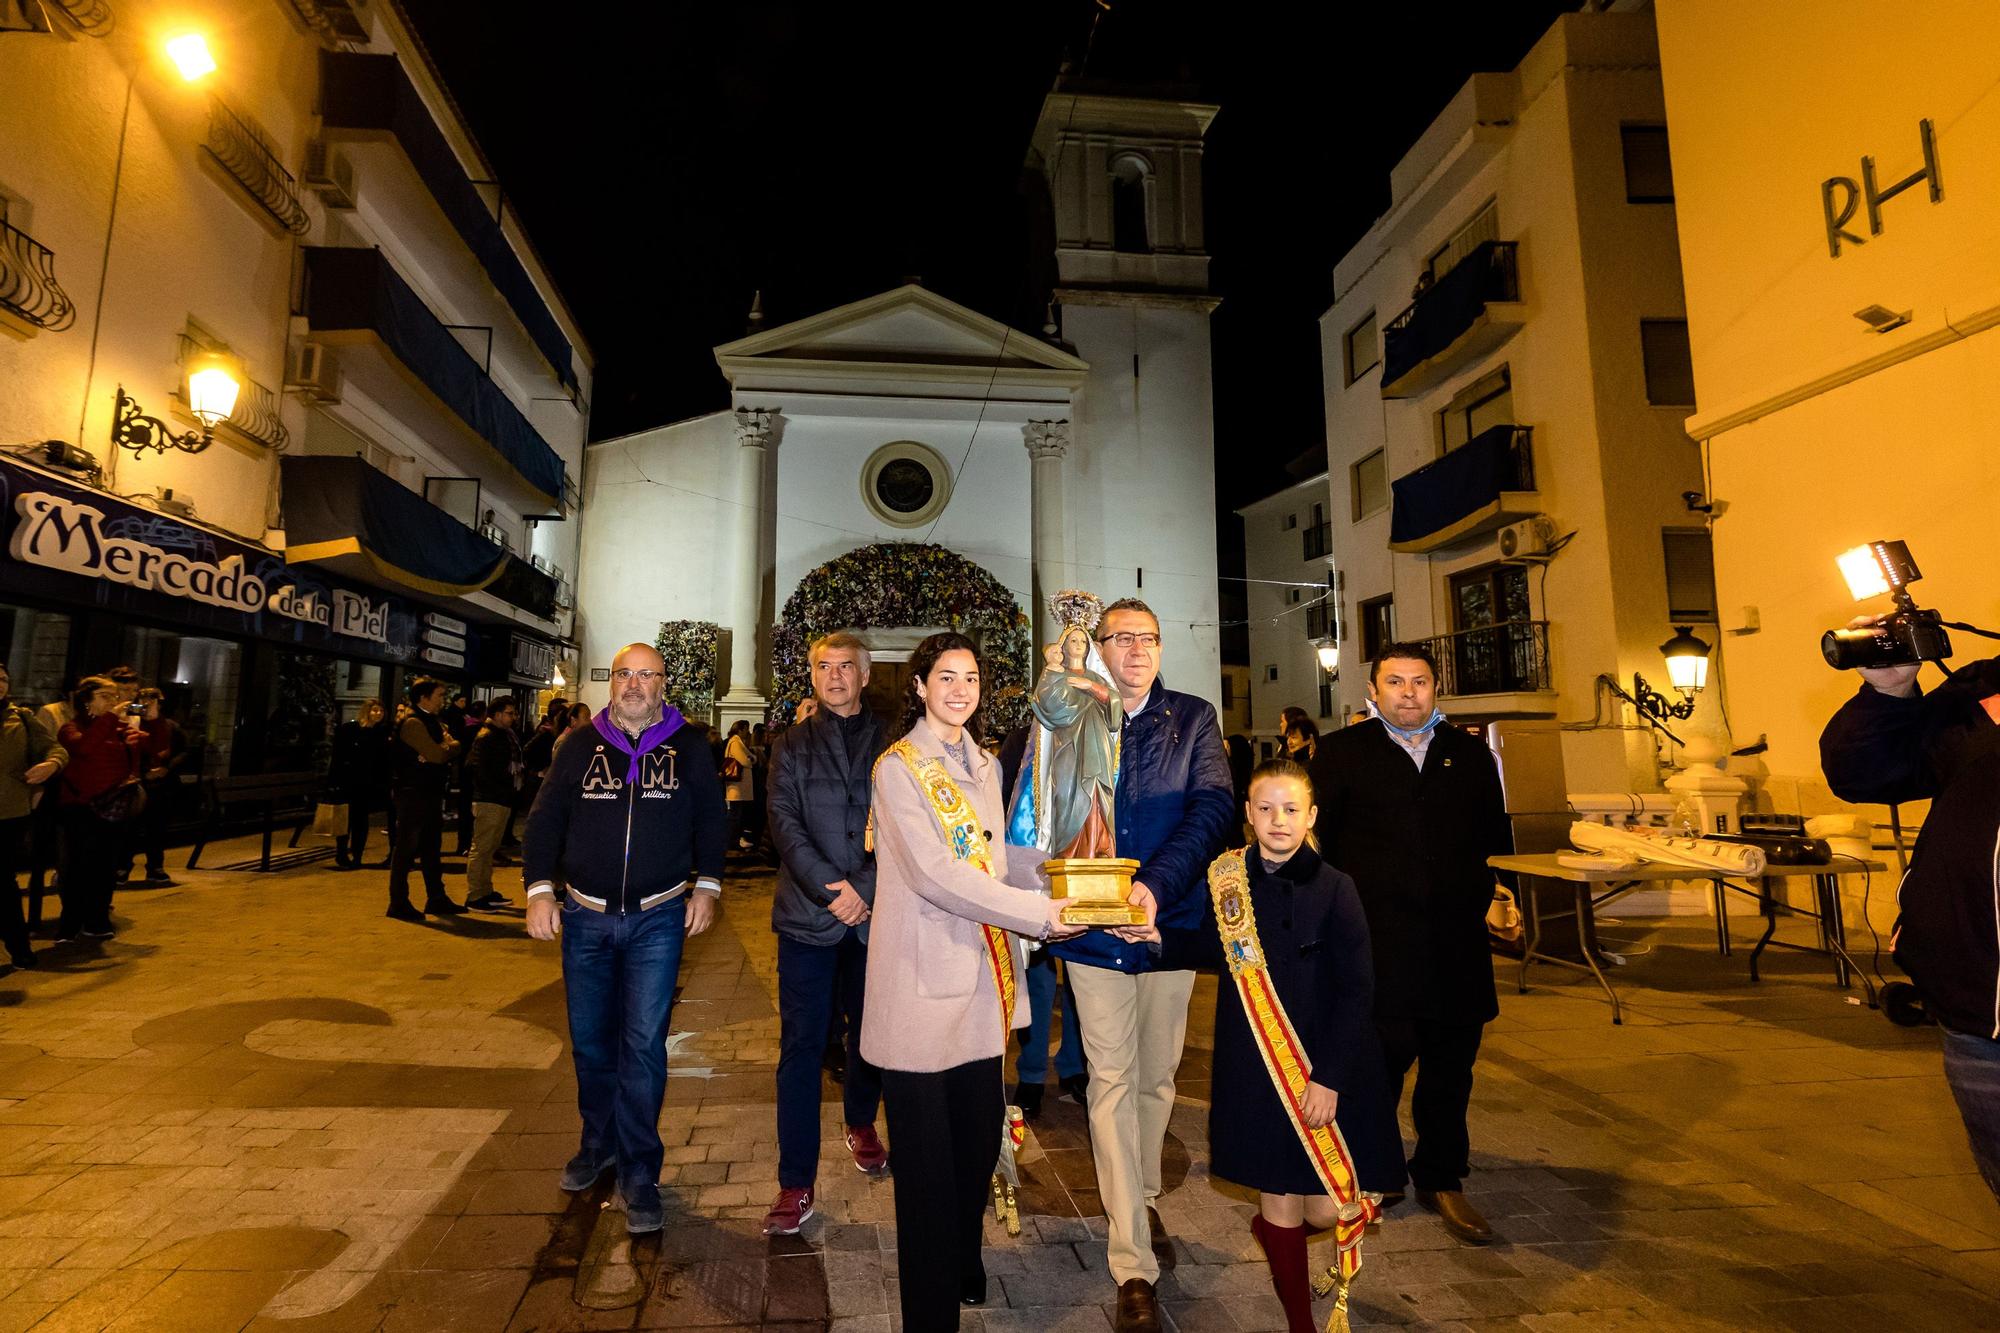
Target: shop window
x=200, y=679
x=1649, y=173
x=37, y=645
x=1669, y=363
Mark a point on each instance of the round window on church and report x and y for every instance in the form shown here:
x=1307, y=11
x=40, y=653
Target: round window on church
x=907, y=484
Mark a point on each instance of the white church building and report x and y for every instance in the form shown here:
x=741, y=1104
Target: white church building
x=1083, y=457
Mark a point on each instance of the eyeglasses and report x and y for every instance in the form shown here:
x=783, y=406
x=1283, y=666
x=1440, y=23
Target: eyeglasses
x=644, y=675
x=1125, y=640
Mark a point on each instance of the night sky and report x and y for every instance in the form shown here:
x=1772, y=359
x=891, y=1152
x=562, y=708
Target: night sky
x=671, y=159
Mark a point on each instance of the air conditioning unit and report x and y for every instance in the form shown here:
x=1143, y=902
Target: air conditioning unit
x=330, y=174
x=313, y=373
x=1527, y=539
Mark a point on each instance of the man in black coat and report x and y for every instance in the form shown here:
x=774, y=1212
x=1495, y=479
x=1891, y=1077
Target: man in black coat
x=817, y=808
x=1411, y=808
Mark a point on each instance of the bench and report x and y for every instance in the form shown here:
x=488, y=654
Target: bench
x=277, y=795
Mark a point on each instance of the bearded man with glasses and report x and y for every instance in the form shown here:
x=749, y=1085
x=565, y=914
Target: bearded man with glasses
x=630, y=821
x=1174, y=810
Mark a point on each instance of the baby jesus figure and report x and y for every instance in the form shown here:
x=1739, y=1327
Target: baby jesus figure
x=1082, y=722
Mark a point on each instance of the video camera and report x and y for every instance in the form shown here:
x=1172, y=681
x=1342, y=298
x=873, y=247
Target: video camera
x=1908, y=635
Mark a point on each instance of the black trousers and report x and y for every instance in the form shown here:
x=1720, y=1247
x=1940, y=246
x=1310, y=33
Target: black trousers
x=90, y=850
x=13, y=849
x=944, y=1138
x=44, y=854
x=1444, y=1054
x=419, y=836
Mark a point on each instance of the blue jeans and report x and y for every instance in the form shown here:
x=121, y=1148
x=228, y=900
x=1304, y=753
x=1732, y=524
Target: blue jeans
x=618, y=977
x=814, y=980
x=1032, y=1065
x=1972, y=1068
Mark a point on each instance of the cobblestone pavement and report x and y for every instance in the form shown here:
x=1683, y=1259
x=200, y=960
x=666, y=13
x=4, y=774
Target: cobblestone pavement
x=265, y=1105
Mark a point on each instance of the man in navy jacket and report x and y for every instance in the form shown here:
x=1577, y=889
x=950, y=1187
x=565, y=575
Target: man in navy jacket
x=1175, y=813
x=630, y=821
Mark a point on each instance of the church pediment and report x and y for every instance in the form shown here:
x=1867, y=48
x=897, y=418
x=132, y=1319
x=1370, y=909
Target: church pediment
x=908, y=329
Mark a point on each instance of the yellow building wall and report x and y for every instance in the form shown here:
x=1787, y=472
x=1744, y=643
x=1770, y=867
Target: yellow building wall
x=1821, y=433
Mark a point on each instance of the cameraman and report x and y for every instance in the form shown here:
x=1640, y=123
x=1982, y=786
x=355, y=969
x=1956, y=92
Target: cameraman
x=1892, y=743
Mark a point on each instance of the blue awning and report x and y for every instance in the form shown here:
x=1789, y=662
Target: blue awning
x=1461, y=493
x=337, y=507
x=356, y=294
x=371, y=93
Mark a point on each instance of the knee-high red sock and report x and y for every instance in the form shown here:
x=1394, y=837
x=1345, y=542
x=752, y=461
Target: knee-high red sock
x=1285, y=1251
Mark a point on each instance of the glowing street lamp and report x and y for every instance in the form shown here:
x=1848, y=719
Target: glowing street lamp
x=213, y=384
x=1687, y=672
x=190, y=55
x=212, y=390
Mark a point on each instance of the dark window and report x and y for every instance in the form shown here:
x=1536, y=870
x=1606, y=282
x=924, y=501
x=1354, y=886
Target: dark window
x=904, y=485
x=1363, y=348
x=1378, y=625
x=1492, y=650
x=1669, y=363
x=1326, y=694
x=1368, y=484
x=1649, y=172
x=1228, y=692
x=1484, y=227
x=1270, y=673
x=1129, y=234
x=1291, y=521
x=1690, y=559
x=1488, y=401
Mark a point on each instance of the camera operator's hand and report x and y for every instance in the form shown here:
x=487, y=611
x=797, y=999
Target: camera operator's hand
x=1897, y=681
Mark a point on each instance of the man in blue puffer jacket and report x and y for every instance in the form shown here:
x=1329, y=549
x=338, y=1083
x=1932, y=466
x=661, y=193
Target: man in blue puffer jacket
x=1175, y=813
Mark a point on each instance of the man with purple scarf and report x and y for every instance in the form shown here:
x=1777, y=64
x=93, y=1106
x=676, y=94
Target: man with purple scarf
x=630, y=822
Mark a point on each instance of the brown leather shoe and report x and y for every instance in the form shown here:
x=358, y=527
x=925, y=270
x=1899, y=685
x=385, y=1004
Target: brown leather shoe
x=1163, y=1245
x=1138, y=1311
x=1460, y=1218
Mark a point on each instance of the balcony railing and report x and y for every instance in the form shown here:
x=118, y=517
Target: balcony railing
x=1446, y=311
x=1319, y=620
x=1511, y=657
x=242, y=150
x=1318, y=540
x=332, y=20
x=28, y=286
x=1485, y=483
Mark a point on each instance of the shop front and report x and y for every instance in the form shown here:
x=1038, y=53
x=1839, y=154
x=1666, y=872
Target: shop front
x=258, y=660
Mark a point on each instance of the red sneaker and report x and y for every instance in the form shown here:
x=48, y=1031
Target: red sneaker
x=869, y=1154
x=791, y=1212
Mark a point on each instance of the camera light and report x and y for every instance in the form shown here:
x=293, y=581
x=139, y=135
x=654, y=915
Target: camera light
x=1863, y=573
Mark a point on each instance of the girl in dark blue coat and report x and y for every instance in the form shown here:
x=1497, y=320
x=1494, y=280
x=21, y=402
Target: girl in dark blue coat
x=1314, y=938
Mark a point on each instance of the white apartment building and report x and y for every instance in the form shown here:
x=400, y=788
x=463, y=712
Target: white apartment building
x=1287, y=549
x=1839, y=235
x=274, y=196
x=1506, y=375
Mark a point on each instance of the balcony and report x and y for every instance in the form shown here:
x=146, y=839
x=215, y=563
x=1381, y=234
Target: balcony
x=405, y=359
x=1318, y=541
x=246, y=156
x=1465, y=314
x=332, y=21
x=369, y=103
x=1497, y=670
x=1484, y=484
x=345, y=515
x=31, y=300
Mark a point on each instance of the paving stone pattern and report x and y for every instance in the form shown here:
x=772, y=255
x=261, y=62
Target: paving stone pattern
x=264, y=1105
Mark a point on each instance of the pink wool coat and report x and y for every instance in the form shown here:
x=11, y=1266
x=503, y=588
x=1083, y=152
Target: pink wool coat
x=932, y=1001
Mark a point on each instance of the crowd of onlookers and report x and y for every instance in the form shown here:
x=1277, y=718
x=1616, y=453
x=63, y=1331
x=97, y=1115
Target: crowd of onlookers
x=83, y=788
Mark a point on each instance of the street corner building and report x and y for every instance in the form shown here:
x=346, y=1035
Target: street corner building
x=289, y=411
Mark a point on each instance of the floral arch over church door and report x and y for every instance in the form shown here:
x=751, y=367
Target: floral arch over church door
x=897, y=584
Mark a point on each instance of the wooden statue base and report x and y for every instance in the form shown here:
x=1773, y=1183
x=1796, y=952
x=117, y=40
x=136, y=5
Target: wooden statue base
x=1094, y=890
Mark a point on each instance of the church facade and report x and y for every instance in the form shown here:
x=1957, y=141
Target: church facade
x=1079, y=457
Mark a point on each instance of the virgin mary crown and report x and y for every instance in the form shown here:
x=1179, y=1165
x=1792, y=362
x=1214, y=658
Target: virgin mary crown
x=1074, y=608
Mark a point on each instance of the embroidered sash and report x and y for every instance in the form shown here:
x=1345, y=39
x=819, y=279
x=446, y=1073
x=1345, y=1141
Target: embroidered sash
x=968, y=843
x=1285, y=1061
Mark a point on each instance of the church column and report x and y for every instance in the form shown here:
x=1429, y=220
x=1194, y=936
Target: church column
x=1047, y=442
x=746, y=568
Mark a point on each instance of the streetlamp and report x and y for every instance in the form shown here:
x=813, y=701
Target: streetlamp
x=1327, y=649
x=1687, y=672
x=191, y=57
x=213, y=384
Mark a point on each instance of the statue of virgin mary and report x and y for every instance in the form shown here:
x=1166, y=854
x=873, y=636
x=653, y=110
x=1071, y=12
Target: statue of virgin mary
x=1065, y=804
